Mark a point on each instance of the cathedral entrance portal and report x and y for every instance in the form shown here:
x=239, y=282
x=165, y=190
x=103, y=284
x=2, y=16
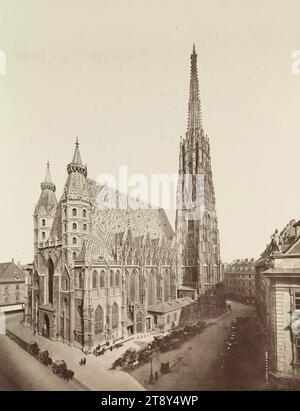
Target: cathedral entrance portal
x=46, y=326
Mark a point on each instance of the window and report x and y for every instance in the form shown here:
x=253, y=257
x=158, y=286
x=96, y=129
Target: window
x=74, y=212
x=74, y=240
x=43, y=222
x=17, y=287
x=175, y=317
x=17, y=297
x=65, y=227
x=65, y=212
x=74, y=256
x=95, y=274
x=99, y=320
x=168, y=319
x=66, y=284
x=297, y=300
x=115, y=315
x=74, y=226
x=111, y=278
x=84, y=227
x=84, y=213
x=117, y=279
x=102, y=279
x=43, y=235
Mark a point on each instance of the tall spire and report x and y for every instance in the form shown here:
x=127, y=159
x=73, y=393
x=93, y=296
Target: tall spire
x=76, y=165
x=194, y=109
x=47, y=184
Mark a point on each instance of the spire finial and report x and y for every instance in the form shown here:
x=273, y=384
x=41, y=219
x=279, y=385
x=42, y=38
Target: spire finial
x=194, y=48
x=48, y=164
x=77, y=143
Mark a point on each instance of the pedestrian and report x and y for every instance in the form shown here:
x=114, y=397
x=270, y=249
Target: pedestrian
x=156, y=375
x=84, y=361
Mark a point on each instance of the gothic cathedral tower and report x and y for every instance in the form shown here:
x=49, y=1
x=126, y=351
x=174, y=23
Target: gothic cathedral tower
x=196, y=220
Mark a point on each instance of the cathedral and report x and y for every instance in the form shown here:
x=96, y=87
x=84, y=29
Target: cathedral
x=104, y=273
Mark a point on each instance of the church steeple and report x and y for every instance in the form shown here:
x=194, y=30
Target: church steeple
x=194, y=107
x=76, y=164
x=47, y=184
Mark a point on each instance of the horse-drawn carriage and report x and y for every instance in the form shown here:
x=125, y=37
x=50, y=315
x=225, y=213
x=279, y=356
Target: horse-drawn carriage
x=60, y=368
x=45, y=358
x=33, y=348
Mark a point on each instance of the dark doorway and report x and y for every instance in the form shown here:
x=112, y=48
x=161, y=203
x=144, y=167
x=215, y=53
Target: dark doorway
x=46, y=326
x=50, y=280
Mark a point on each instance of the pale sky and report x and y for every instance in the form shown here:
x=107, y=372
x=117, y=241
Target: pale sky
x=116, y=74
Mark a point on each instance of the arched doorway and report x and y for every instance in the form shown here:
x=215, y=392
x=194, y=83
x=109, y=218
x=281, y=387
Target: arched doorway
x=46, y=326
x=50, y=280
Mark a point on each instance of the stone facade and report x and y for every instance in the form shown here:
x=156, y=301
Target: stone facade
x=12, y=286
x=278, y=303
x=239, y=280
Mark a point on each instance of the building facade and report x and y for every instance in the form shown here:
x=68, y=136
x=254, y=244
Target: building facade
x=12, y=287
x=100, y=262
x=278, y=304
x=240, y=280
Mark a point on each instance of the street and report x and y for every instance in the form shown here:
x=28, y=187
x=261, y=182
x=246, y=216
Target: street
x=196, y=365
x=20, y=371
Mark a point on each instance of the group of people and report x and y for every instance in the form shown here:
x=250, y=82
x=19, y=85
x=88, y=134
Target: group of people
x=82, y=361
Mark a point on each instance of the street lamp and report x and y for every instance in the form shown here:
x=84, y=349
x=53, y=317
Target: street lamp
x=151, y=378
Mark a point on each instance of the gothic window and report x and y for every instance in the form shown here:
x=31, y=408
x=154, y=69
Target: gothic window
x=151, y=288
x=158, y=289
x=65, y=283
x=84, y=213
x=167, y=285
x=80, y=280
x=168, y=319
x=80, y=311
x=65, y=227
x=115, y=316
x=111, y=278
x=36, y=280
x=84, y=227
x=74, y=212
x=102, y=279
x=43, y=235
x=141, y=287
x=117, y=279
x=172, y=286
x=74, y=226
x=131, y=287
x=95, y=275
x=50, y=280
x=66, y=303
x=99, y=320
x=74, y=256
x=74, y=240
x=43, y=222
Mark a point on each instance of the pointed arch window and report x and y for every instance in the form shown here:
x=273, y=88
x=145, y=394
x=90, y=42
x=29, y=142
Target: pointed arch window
x=166, y=285
x=74, y=256
x=111, y=278
x=50, y=280
x=99, y=320
x=151, y=288
x=102, y=279
x=74, y=212
x=74, y=240
x=43, y=235
x=117, y=279
x=95, y=275
x=115, y=316
x=84, y=213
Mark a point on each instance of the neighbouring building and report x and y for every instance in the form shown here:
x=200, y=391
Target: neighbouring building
x=278, y=303
x=239, y=280
x=104, y=263
x=12, y=287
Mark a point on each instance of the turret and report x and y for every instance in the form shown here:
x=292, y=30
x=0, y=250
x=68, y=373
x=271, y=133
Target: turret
x=44, y=210
x=76, y=208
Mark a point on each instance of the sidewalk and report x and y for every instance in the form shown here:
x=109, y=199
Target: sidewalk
x=95, y=375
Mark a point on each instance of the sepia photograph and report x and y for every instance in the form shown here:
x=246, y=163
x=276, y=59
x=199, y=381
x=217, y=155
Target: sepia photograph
x=149, y=164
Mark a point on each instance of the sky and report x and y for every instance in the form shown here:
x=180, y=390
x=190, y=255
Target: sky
x=115, y=73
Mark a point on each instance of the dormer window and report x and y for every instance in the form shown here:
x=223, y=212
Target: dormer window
x=74, y=226
x=74, y=212
x=43, y=222
x=84, y=213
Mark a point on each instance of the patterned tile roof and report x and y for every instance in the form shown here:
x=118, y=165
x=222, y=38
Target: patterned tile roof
x=11, y=272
